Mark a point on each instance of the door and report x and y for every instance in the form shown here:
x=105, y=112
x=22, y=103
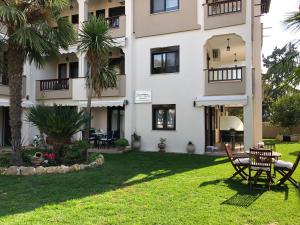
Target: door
x=62, y=71
x=210, y=125
x=73, y=68
x=115, y=120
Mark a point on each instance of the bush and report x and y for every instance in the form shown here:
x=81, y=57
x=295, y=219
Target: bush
x=93, y=156
x=76, y=153
x=5, y=160
x=122, y=142
x=285, y=112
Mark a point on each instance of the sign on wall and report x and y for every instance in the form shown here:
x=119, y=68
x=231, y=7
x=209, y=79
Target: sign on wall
x=143, y=96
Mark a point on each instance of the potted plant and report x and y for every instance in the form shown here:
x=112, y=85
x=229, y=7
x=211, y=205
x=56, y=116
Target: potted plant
x=122, y=143
x=136, y=141
x=162, y=145
x=190, y=148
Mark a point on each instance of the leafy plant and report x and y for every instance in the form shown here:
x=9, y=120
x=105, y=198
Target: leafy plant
x=122, y=142
x=4, y=160
x=285, y=112
x=76, y=153
x=95, y=40
x=162, y=141
x=93, y=156
x=32, y=30
x=58, y=122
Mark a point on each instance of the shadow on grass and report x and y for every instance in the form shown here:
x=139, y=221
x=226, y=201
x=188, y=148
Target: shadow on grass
x=244, y=197
x=23, y=194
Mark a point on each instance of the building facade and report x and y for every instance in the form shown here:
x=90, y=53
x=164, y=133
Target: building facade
x=187, y=71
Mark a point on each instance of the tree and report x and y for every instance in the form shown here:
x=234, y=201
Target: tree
x=279, y=80
x=33, y=29
x=59, y=123
x=95, y=40
x=293, y=23
x=285, y=112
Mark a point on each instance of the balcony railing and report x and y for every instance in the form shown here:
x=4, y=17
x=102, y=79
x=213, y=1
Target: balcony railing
x=54, y=84
x=114, y=22
x=224, y=7
x=225, y=74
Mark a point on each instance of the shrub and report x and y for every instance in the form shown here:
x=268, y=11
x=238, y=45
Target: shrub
x=93, y=156
x=76, y=153
x=4, y=160
x=285, y=112
x=122, y=142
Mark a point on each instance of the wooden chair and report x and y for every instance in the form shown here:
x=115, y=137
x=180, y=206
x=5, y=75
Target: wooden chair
x=260, y=162
x=287, y=169
x=240, y=164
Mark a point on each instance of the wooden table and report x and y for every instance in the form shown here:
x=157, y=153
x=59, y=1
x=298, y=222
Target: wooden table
x=275, y=155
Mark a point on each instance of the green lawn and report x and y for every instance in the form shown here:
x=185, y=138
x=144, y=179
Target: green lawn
x=148, y=188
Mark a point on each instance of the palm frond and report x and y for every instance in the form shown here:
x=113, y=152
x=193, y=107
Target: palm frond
x=106, y=78
x=293, y=21
x=12, y=16
x=58, y=122
x=95, y=37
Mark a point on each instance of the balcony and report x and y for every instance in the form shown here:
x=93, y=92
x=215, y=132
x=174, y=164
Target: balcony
x=74, y=89
x=118, y=26
x=225, y=81
x=224, y=13
x=53, y=89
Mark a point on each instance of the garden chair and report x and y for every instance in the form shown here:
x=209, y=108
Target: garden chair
x=239, y=163
x=260, y=162
x=287, y=169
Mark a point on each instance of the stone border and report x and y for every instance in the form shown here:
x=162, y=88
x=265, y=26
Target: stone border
x=30, y=171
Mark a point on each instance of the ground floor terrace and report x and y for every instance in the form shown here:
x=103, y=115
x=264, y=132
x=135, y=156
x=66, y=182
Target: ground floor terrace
x=149, y=188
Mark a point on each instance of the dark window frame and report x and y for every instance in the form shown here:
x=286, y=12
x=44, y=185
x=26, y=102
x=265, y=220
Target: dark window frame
x=71, y=64
x=165, y=7
x=164, y=68
x=59, y=71
x=165, y=108
x=75, y=19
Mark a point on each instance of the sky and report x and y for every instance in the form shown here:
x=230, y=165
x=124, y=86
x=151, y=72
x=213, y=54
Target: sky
x=277, y=35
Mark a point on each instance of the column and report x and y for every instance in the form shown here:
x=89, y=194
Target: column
x=83, y=12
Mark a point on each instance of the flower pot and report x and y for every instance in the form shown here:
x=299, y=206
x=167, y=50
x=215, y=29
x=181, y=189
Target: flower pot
x=136, y=145
x=190, y=148
x=37, y=159
x=162, y=147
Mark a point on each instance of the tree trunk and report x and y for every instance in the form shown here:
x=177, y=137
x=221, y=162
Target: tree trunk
x=15, y=56
x=88, y=108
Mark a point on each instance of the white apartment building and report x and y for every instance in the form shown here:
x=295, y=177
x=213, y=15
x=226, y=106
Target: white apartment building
x=185, y=69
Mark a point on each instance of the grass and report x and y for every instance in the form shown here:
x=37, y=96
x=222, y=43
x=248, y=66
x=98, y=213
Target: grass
x=148, y=188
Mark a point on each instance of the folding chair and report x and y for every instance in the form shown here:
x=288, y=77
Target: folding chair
x=260, y=162
x=240, y=164
x=287, y=169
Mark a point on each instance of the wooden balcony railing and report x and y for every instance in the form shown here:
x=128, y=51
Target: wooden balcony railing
x=54, y=84
x=224, y=7
x=225, y=74
x=114, y=22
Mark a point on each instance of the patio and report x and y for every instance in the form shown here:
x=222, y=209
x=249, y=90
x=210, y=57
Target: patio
x=149, y=188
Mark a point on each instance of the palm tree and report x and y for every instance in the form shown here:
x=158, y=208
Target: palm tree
x=96, y=41
x=59, y=123
x=293, y=21
x=33, y=29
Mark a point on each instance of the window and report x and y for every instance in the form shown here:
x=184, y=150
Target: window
x=73, y=68
x=62, y=71
x=165, y=60
x=164, y=117
x=118, y=65
x=100, y=14
x=164, y=5
x=75, y=19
